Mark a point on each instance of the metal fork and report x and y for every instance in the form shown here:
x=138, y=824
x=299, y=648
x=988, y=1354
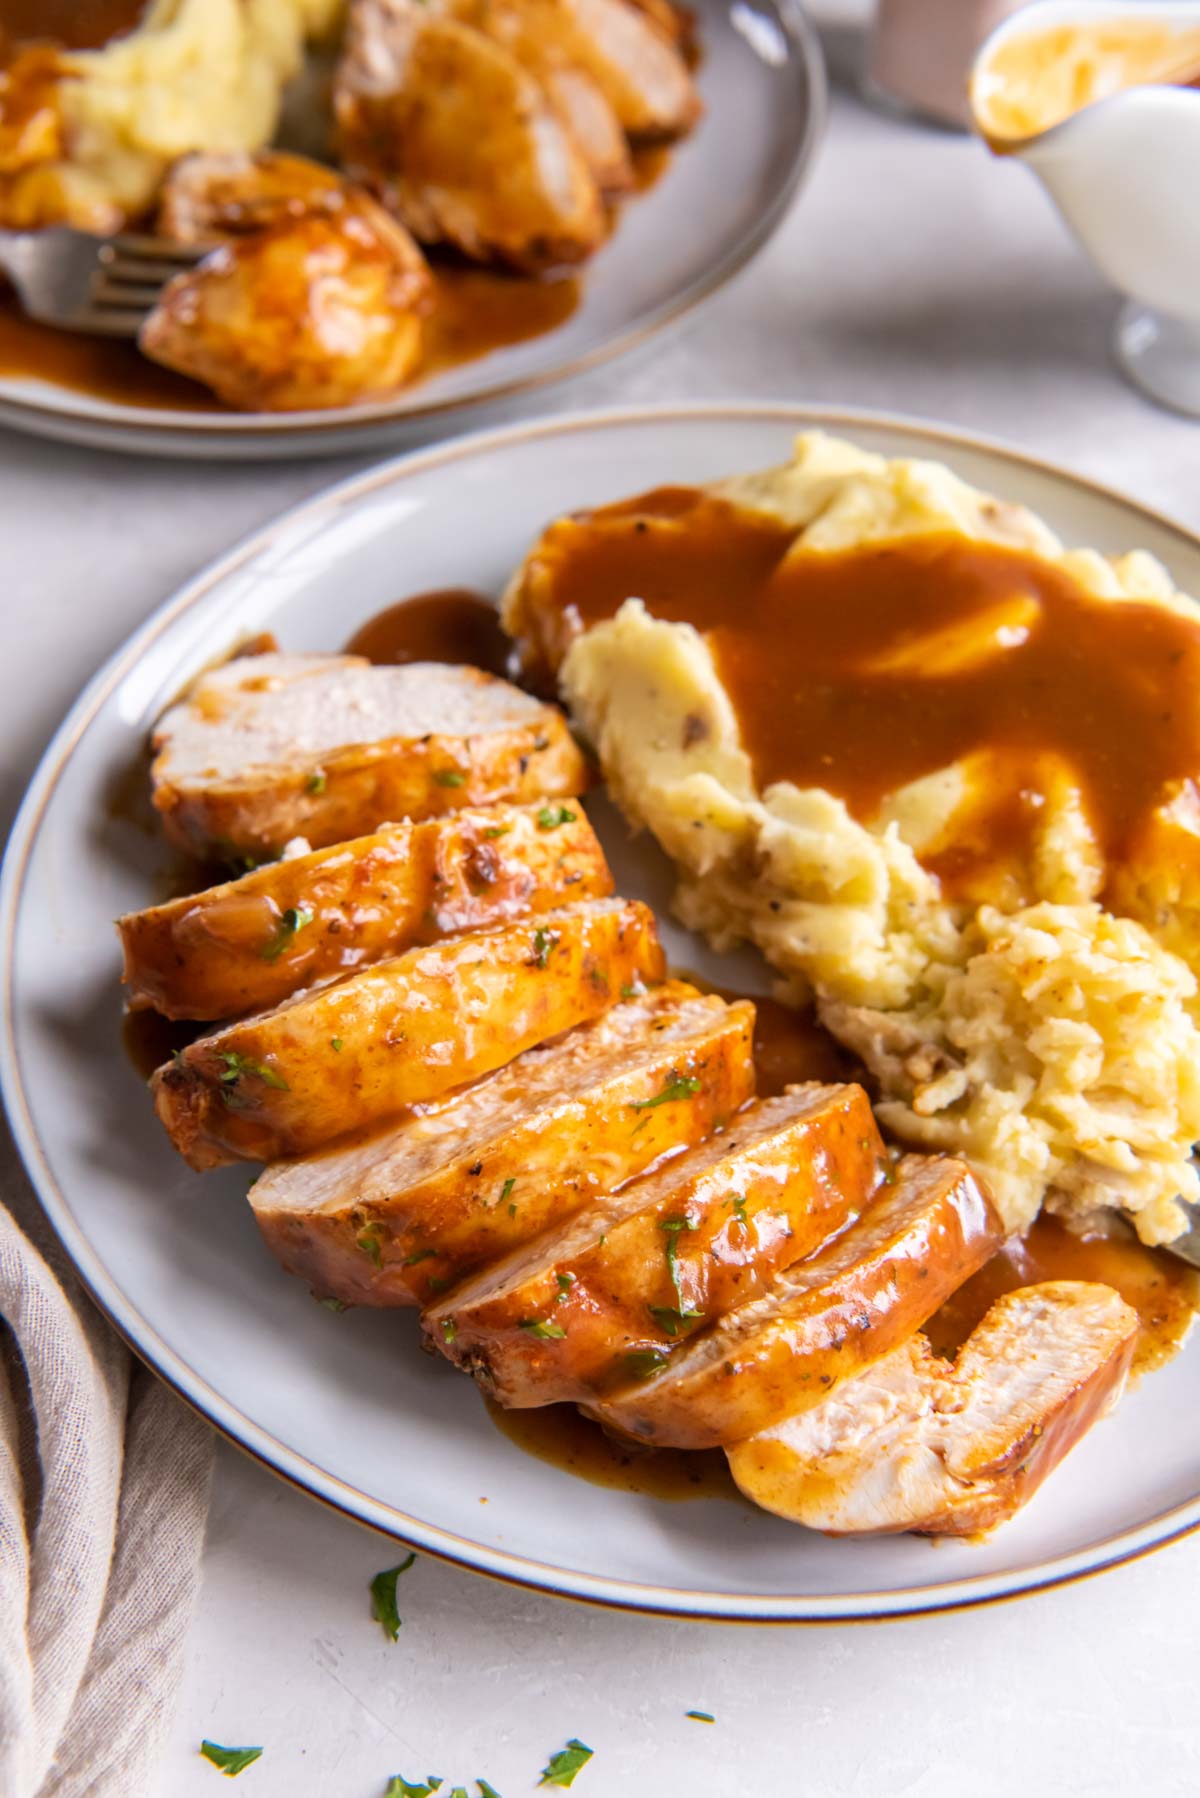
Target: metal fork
x=102, y=285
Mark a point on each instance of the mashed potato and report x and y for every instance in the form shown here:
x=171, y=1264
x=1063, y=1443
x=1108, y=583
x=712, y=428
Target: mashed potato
x=195, y=75
x=1053, y=1043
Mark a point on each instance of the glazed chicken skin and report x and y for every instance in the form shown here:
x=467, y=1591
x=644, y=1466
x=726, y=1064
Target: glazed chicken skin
x=819, y=1321
x=917, y=1444
x=211, y=196
x=396, y=1219
x=266, y=748
x=460, y=141
x=402, y=1032
x=606, y=1296
x=246, y=944
x=321, y=310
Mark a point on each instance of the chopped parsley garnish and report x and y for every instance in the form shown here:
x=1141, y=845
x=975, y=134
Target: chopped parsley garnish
x=399, y=1787
x=315, y=782
x=333, y=1304
x=486, y=1790
x=507, y=1187
x=670, y=1227
x=497, y=830
x=739, y=1209
x=449, y=1329
x=239, y=1067
x=418, y=1255
x=335, y=1043
x=543, y=941
x=564, y=1282
x=542, y=1328
x=383, y=1598
x=670, y=1321
x=700, y=1716
x=458, y=1792
x=512, y=1209
x=564, y=1765
x=449, y=777
x=292, y=922
x=551, y=816
x=369, y=1242
x=230, y=1761
x=644, y=1363
x=678, y=1086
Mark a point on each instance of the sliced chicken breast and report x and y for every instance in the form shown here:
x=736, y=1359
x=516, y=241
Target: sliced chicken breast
x=917, y=1444
x=820, y=1321
x=460, y=141
x=650, y=1264
x=270, y=747
x=212, y=195
x=395, y=1219
x=245, y=945
x=402, y=1032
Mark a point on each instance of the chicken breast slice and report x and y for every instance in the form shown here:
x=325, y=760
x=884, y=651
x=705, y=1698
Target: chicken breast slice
x=402, y=1032
x=270, y=747
x=648, y=1265
x=245, y=945
x=460, y=141
x=820, y=1321
x=917, y=1444
x=395, y=1219
x=212, y=195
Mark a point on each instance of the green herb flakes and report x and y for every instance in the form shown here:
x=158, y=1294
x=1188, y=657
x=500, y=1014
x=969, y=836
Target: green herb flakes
x=315, y=782
x=229, y=1761
x=700, y=1716
x=370, y=1242
x=542, y=1328
x=290, y=924
x=418, y=1255
x=506, y=1189
x=399, y=1787
x=678, y=1086
x=486, y=1790
x=739, y=1210
x=551, y=816
x=643, y=1364
x=383, y=1598
x=670, y=1227
x=449, y=777
x=564, y=1765
x=497, y=830
x=449, y=1329
x=543, y=941
x=241, y=1067
x=335, y=1043
x=670, y=1321
x=333, y=1304
x=564, y=1282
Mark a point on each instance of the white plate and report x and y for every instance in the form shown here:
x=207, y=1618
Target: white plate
x=345, y=1406
x=725, y=190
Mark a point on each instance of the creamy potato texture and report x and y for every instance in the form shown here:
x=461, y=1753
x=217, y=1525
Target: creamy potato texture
x=1051, y=1038
x=196, y=74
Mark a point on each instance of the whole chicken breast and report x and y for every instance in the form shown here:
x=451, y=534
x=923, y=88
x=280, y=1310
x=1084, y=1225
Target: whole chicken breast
x=468, y=1180
x=819, y=1321
x=460, y=141
x=403, y=1032
x=604, y=1297
x=269, y=747
x=917, y=1444
x=246, y=944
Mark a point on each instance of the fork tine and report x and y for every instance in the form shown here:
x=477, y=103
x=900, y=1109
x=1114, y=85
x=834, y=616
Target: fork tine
x=108, y=321
x=142, y=294
x=158, y=250
x=128, y=268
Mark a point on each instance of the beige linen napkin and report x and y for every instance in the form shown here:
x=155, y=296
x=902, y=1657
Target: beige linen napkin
x=104, y=1488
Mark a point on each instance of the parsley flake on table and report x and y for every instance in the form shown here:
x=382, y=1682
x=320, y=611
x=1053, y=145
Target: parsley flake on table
x=294, y=920
x=486, y=1790
x=399, y=1787
x=542, y=1328
x=700, y=1716
x=242, y=1067
x=229, y=1761
x=564, y=1765
x=551, y=816
x=449, y=777
x=383, y=1598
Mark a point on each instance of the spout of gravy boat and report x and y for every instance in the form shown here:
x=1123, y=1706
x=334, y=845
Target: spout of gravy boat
x=1097, y=100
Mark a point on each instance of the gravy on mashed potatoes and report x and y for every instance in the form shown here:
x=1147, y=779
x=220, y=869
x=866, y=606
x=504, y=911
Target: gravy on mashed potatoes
x=942, y=771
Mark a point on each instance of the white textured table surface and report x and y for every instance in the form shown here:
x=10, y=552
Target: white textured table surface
x=914, y=275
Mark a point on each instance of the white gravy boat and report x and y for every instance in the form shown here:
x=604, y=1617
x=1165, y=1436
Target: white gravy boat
x=1124, y=172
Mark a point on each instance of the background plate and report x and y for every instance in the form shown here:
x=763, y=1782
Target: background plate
x=725, y=190
x=345, y=1405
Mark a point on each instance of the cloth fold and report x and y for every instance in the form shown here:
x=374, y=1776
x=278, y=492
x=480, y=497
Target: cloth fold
x=104, y=1488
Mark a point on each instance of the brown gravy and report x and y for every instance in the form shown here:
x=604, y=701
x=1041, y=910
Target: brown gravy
x=566, y=1439
x=1164, y=1292
x=148, y=1039
x=829, y=661
x=790, y=1046
x=449, y=625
